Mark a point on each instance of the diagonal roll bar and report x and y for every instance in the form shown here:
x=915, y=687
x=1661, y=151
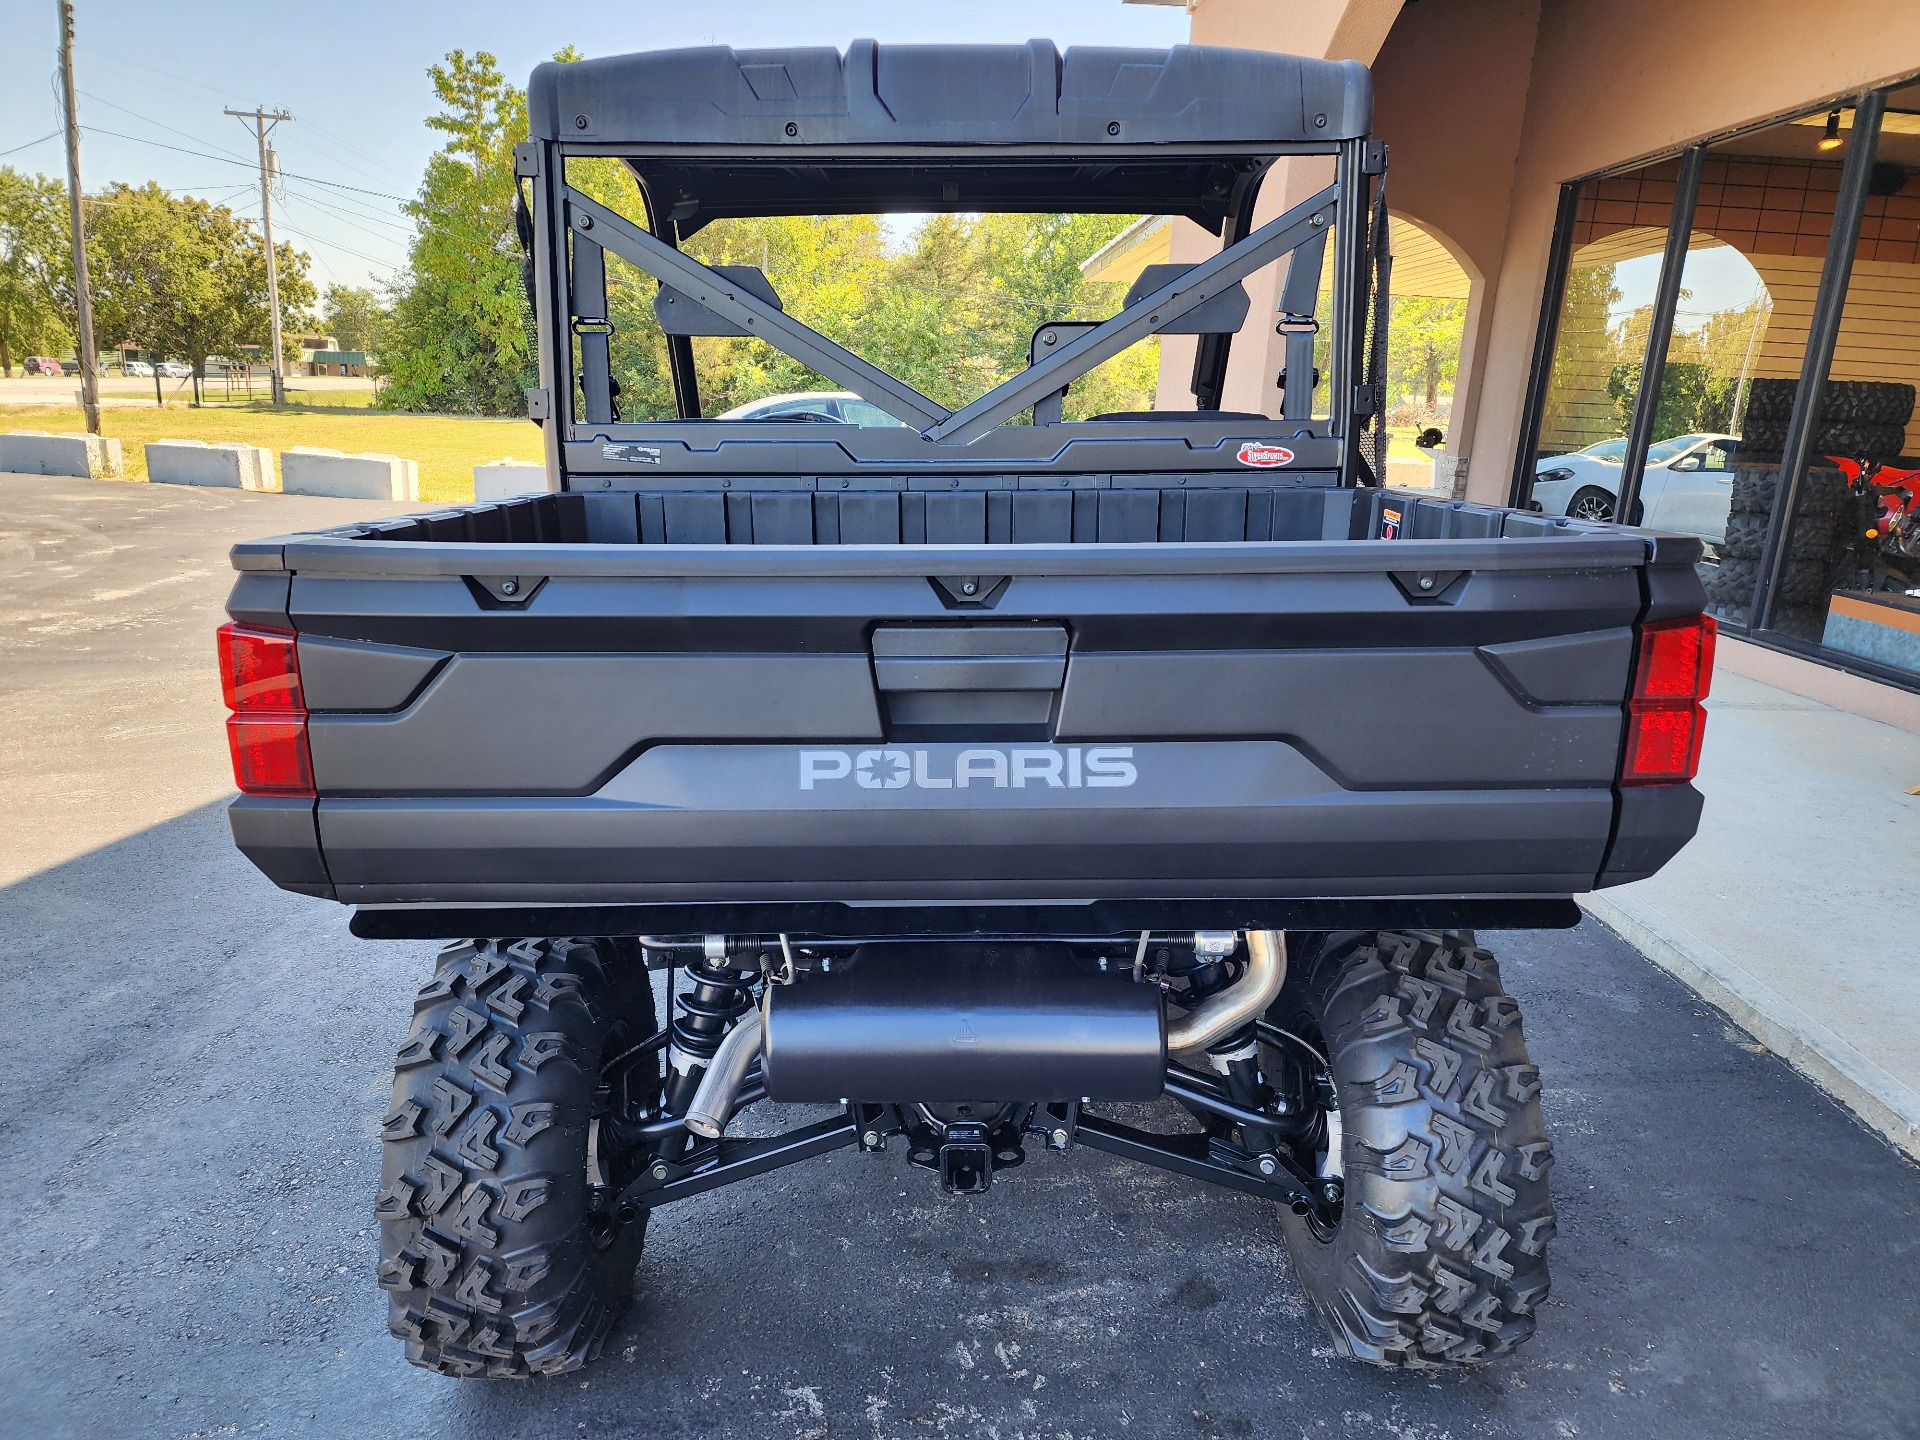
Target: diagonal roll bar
x=1146, y=316
x=613, y=231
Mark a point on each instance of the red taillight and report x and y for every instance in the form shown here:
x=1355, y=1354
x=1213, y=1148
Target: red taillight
x=270, y=755
x=1665, y=720
x=260, y=672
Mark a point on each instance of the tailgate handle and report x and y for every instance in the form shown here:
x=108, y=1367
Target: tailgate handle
x=970, y=657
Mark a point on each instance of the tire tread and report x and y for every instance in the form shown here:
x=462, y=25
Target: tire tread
x=1440, y=1258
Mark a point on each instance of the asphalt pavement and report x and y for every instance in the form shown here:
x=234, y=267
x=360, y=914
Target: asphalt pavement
x=194, y=1063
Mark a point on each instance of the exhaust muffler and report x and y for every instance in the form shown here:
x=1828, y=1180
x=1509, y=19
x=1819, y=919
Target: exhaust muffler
x=944, y=1023
x=950, y=1023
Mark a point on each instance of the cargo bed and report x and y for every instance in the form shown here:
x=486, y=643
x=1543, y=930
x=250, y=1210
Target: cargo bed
x=1206, y=695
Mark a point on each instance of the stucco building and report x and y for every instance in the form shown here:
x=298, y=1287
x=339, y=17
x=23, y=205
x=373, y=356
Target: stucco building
x=1728, y=193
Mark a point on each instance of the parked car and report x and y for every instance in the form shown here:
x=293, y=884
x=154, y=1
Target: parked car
x=40, y=365
x=174, y=370
x=1597, y=464
x=840, y=407
x=72, y=367
x=1686, y=486
x=959, y=793
x=136, y=368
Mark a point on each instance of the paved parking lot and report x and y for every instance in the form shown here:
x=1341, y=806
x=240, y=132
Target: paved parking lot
x=194, y=1062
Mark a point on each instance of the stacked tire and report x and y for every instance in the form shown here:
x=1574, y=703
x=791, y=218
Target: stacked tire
x=1860, y=419
x=1820, y=528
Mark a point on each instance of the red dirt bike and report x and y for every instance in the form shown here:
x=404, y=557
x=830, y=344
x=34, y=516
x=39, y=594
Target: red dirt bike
x=1888, y=535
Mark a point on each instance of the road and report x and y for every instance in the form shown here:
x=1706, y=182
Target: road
x=194, y=1064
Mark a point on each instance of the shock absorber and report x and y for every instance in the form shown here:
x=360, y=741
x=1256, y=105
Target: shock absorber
x=1235, y=1056
x=720, y=992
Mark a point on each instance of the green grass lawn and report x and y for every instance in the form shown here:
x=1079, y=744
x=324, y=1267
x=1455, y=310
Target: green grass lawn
x=447, y=446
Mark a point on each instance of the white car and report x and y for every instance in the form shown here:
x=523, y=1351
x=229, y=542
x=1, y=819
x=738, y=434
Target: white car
x=136, y=367
x=174, y=370
x=1598, y=464
x=1686, y=487
x=838, y=407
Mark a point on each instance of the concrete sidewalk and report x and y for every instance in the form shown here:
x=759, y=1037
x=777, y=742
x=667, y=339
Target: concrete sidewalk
x=1797, y=908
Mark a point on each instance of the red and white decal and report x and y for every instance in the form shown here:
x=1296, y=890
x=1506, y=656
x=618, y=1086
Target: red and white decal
x=1263, y=456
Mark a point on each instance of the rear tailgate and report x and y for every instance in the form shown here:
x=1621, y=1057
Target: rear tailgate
x=582, y=722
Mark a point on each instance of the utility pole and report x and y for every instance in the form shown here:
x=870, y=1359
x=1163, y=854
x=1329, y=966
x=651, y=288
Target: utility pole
x=263, y=122
x=82, y=287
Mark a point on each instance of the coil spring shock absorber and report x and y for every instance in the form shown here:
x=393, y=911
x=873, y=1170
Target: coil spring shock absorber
x=720, y=993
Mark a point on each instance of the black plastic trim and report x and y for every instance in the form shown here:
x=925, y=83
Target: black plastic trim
x=1104, y=917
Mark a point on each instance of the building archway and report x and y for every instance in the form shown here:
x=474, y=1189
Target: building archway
x=1724, y=335
x=1435, y=292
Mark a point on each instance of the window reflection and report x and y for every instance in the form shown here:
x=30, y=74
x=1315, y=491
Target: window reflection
x=1620, y=228
x=1851, y=578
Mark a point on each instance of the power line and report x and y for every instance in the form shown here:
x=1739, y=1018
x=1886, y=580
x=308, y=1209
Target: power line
x=344, y=249
x=50, y=135
x=164, y=126
x=156, y=70
x=338, y=140
x=347, y=213
x=227, y=159
x=357, y=150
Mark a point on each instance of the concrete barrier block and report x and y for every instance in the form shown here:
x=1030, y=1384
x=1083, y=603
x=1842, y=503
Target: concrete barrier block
x=36, y=452
x=504, y=479
x=194, y=462
x=305, y=470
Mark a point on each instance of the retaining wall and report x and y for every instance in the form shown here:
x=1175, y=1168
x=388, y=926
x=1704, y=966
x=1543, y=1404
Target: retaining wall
x=504, y=479
x=36, y=452
x=194, y=462
x=305, y=470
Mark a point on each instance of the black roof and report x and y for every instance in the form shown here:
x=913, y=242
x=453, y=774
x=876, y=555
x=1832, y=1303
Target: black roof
x=804, y=128
x=951, y=95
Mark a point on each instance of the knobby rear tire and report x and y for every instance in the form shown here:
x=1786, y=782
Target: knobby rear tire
x=489, y=1257
x=1439, y=1255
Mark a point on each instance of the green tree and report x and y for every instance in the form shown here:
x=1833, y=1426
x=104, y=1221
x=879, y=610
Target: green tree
x=1423, y=347
x=35, y=266
x=459, y=335
x=957, y=311
x=180, y=277
x=1692, y=398
x=952, y=316
x=1577, y=411
x=354, y=317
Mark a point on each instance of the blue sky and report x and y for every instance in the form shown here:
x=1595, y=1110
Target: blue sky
x=354, y=76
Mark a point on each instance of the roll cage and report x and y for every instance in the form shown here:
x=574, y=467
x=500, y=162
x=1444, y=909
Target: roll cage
x=714, y=133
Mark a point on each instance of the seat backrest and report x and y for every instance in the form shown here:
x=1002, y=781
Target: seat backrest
x=679, y=315
x=1224, y=314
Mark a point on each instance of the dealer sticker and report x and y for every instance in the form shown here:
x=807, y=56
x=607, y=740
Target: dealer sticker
x=1264, y=456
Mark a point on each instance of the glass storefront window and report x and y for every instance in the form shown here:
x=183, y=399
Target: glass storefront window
x=1620, y=228
x=1851, y=578
x=1847, y=578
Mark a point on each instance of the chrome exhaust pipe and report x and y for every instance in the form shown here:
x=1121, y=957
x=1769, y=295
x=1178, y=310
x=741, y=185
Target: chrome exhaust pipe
x=1240, y=1003
x=713, y=1099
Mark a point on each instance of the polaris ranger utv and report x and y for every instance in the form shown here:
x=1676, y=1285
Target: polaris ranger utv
x=972, y=775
